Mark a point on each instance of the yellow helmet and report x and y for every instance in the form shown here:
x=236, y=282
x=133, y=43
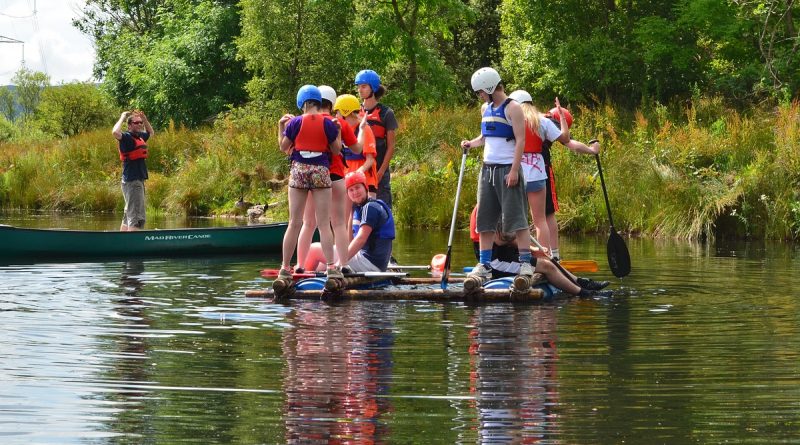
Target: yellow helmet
x=346, y=104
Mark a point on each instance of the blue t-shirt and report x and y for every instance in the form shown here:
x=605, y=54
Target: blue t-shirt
x=135, y=169
x=376, y=250
x=293, y=129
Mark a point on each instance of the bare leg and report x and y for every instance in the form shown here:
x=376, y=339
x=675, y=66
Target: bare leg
x=315, y=261
x=555, y=277
x=523, y=239
x=307, y=232
x=552, y=224
x=339, y=213
x=536, y=201
x=297, y=203
x=322, y=202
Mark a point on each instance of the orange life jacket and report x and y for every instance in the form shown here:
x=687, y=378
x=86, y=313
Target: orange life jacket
x=374, y=120
x=311, y=136
x=533, y=142
x=139, y=152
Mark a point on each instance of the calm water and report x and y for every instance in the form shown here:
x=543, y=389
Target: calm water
x=702, y=345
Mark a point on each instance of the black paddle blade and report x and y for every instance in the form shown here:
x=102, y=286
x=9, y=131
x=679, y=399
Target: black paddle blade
x=619, y=260
x=446, y=271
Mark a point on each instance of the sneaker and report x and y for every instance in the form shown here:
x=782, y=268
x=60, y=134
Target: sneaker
x=526, y=269
x=299, y=270
x=347, y=270
x=585, y=293
x=481, y=271
x=335, y=272
x=284, y=274
x=590, y=284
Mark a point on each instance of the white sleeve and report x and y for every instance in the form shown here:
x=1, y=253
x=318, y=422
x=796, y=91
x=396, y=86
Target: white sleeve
x=549, y=130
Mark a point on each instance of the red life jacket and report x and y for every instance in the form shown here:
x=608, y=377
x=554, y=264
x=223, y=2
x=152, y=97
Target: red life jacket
x=533, y=142
x=139, y=152
x=311, y=136
x=374, y=120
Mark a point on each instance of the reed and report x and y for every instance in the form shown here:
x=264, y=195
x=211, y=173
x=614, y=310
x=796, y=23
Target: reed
x=692, y=170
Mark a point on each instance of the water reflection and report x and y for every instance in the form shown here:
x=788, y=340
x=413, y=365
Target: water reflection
x=515, y=380
x=338, y=365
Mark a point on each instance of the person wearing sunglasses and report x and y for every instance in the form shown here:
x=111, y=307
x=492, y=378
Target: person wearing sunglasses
x=133, y=154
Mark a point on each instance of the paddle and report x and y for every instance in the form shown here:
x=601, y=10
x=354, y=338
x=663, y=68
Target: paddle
x=619, y=260
x=446, y=271
x=560, y=267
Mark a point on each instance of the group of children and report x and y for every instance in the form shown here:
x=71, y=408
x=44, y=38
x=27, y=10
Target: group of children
x=517, y=176
x=339, y=148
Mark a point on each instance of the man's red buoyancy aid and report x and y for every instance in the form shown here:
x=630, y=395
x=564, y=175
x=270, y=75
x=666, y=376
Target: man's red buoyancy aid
x=311, y=136
x=374, y=120
x=139, y=152
x=533, y=142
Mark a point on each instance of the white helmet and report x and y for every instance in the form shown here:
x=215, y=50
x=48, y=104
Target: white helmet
x=486, y=80
x=328, y=93
x=521, y=96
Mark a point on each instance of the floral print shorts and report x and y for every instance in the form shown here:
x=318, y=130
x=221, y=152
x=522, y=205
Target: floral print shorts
x=307, y=176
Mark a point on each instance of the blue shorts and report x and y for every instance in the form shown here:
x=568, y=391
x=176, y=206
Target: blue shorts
x=535, y=186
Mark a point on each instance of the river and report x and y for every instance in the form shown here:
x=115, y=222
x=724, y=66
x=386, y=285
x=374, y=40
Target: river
x=700, y=344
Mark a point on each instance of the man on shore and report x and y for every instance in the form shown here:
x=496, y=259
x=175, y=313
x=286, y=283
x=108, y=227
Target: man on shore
x=133, y=153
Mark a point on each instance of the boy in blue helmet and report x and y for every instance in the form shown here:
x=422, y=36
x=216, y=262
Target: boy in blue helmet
x=383, y=123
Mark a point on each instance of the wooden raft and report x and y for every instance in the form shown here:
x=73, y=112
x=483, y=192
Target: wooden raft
x=403, y=293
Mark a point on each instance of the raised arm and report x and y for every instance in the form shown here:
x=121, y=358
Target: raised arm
x=117, y=130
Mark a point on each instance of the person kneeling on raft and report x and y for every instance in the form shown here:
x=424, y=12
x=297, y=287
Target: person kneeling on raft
x=373, y=227
x=505, y=264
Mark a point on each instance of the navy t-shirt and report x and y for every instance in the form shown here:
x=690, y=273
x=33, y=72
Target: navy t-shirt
x=376, y=250
x=136, y=169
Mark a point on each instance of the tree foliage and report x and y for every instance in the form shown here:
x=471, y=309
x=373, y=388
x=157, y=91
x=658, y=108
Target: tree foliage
x=29, y=86
x=69, y=109
x=189, y=59
x=175, y=58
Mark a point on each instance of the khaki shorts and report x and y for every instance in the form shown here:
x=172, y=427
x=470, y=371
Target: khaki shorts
x=497, y=203
x=309, y=177
x=133, y=192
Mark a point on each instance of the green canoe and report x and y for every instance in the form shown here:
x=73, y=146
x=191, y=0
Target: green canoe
x=50, y=244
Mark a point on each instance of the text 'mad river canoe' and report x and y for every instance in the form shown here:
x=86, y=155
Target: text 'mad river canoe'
x=17, y=244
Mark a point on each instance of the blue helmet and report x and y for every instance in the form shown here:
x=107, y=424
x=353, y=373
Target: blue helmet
x=306, y=93
x=370, y=78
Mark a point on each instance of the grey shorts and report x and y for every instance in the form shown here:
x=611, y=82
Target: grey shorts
x=133, y=192
x=499, y=203
x=359, y=263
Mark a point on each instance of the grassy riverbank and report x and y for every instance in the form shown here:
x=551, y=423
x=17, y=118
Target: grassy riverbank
x=691, y=172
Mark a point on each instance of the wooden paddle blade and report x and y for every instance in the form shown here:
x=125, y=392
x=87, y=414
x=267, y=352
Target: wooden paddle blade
x=580, y=265
x=619, y=260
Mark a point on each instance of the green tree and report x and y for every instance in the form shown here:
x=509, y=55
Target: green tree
x=175, y=58
x=66, y=110
x=29, y=85
x=7, y=104
x=286, y=44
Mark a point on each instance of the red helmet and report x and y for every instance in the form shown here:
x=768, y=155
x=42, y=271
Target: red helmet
x=567, y=115
x=355, y=177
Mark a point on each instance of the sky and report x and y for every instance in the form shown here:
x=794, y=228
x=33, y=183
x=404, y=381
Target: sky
x=54, y=46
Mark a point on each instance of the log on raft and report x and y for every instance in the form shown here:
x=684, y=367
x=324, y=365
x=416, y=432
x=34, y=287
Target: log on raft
x=399, y=294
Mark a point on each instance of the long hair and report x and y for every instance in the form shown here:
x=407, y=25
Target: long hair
x=532, y=117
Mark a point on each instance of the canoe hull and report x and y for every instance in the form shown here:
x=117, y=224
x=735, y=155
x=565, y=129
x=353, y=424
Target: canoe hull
x=24, y=244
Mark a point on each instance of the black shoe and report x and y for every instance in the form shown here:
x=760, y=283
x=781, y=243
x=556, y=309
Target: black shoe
x=347, y=270
x=586, y=293
x=590, y=284
x=299, y=270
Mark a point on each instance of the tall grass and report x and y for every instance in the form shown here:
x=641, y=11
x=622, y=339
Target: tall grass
x=692, y=171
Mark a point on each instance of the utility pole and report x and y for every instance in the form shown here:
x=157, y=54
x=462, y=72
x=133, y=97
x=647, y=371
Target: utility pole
x=4, y=39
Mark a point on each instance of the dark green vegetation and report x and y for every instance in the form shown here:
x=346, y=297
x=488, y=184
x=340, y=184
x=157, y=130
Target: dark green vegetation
x=692, y=100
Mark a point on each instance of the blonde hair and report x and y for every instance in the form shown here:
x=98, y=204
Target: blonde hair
x=532, y=116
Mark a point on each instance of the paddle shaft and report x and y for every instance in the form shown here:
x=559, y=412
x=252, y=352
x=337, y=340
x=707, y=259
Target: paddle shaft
x=563, y=271
x=446, y=270
x=605, y=193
